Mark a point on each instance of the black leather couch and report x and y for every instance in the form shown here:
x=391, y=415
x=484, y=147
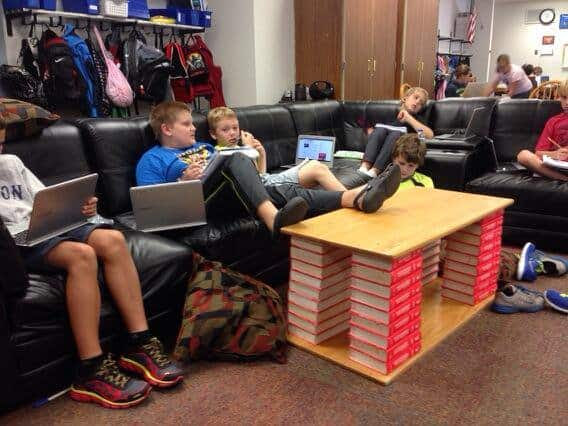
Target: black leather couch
x=37, y=348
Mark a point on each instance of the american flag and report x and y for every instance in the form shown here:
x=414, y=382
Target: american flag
x=471, y=25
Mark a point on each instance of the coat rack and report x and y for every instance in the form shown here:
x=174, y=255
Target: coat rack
x=30, y=17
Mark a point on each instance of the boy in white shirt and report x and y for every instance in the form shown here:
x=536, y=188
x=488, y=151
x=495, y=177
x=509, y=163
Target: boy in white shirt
x=99, y=378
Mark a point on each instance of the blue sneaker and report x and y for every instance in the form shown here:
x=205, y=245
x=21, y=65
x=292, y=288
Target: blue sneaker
x=550, y=265
x=515, y=298
x=557, y=300
x=527, y=266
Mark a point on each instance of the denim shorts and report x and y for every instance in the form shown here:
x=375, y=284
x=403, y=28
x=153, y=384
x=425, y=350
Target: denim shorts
x=292, y=175
x=34, y=257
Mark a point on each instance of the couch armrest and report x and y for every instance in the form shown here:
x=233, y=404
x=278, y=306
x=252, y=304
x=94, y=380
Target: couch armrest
x=469, y=145
x=8, y=365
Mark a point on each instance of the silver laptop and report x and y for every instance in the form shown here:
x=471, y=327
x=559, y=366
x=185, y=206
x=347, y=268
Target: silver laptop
x=57, y=209
x=168, y=205
x=506, y=167
x=474, y=90
x=475, y=127
x=313, y=147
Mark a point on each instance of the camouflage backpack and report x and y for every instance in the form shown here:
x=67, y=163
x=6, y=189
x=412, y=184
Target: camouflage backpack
x=228, y=315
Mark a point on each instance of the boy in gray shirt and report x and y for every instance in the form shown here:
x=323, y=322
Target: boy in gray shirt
x=99, y=377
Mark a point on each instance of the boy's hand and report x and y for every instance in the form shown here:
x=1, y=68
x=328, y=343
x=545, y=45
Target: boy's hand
x=192, y=172
x=562, y=154
x=403, y=116
x=258, y=146
x=90, y=207
x=247, y=138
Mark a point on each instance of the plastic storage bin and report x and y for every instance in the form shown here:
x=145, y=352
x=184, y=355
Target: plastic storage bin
x=118, y=8
x=20, y=4
x=90, y=7
x=48, y=4
x=205, y=18
x=138, y=9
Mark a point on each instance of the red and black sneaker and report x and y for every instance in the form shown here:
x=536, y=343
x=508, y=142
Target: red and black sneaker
x=110, y=387
x=153, y=364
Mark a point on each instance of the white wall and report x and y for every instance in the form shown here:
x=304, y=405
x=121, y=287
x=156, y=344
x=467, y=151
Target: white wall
x=481, y=43
x=446, y=16
x=511, y=35
x=274, y=49
x=253, y=41
x=232, y=42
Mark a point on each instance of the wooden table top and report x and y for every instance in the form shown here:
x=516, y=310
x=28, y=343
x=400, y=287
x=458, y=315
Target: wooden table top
x=409, y=220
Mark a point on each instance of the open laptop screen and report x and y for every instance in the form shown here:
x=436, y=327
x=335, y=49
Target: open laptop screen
x=312, y=147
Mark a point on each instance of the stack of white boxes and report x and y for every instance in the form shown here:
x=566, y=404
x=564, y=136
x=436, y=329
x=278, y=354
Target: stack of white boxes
x=318, y=294
x=471, y=265
x=385, y=310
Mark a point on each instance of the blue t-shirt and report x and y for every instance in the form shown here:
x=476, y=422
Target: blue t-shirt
x=161, y=164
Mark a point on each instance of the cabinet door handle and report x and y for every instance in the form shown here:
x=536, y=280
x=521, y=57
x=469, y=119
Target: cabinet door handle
x=374, y=65
x=368, y=65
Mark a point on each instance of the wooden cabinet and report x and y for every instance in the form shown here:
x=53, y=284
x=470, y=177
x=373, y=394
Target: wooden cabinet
x=370, y=40
x=366, y=48
x=420, y=42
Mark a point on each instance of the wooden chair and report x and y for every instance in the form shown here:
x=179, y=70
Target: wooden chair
x=546, y=90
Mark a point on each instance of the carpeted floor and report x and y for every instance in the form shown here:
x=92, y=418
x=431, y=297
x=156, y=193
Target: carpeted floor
x=497, y=369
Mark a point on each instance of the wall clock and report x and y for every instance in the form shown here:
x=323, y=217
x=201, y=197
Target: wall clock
x=546, y=16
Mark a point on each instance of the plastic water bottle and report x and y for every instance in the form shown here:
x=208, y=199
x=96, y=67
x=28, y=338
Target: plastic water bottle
x=421, y=135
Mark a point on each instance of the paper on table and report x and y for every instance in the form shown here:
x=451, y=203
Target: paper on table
x=557, y=164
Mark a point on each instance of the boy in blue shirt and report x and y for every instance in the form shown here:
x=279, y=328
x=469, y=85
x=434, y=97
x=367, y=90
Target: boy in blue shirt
x=179, y=157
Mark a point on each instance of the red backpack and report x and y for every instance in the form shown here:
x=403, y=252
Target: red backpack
x=179, y=79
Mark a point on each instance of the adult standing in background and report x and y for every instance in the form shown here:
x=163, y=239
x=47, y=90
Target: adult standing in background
x=518, y=83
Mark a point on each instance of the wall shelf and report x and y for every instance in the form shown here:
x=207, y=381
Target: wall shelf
x=453, y=40
x=462, y=55
x=24, y=13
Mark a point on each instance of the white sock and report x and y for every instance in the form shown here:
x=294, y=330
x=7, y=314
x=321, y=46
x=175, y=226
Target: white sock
x=371, y=173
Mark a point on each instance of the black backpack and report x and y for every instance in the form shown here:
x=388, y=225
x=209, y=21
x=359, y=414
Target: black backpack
x=146, y=68
x=62, y=82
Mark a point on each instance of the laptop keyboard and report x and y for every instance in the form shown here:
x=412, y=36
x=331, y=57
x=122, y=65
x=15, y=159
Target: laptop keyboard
x=21, y=237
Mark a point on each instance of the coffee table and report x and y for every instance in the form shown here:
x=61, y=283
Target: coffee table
x=408, y=221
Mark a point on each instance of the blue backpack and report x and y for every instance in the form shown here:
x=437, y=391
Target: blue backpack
x=84, y=62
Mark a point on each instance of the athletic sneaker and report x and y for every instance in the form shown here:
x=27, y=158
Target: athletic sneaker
x=534, y=262
x=515, y=298
x=557, y=300
x=527, y=266
x=152, y=363
x=109, y=387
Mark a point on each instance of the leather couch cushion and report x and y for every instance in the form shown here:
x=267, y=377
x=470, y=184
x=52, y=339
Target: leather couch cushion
x=319, y=118
x=531, y=194
x=518, y=124
x=13, y=277
x=273, y=126
x=54, y=155
x=451, y=114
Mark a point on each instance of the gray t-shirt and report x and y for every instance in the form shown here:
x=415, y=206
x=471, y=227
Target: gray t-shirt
x=18, y=186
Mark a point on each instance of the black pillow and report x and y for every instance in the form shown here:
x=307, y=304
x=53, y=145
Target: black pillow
x=13, y=277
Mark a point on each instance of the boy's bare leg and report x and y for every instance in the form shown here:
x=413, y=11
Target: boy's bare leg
x=348, y=197
x=267, y=211
x=81, y=292
x=315, y=173
x=121, y=276
x=531, y=161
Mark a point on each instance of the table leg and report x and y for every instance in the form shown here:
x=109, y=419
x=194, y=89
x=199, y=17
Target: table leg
x=471, y=264
x=318, y=292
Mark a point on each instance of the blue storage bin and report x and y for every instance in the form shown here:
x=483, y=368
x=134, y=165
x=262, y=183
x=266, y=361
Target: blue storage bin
x=192, y=17
x=90, y=7
x=138, y=9
x=48, y=4
x=204, y=18
x=20, y=4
